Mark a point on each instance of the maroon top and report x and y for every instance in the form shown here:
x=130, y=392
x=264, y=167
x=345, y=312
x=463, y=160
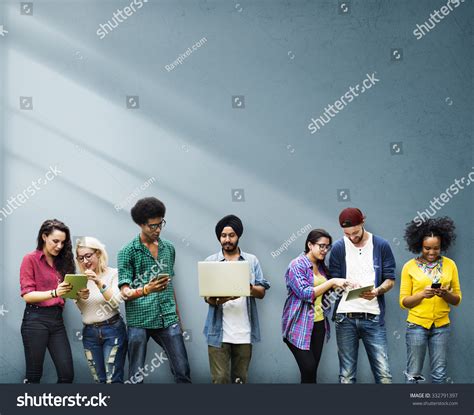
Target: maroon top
x=37, y=275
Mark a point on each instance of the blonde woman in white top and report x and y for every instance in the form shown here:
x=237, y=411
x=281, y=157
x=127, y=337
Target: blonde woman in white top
x=104, y=334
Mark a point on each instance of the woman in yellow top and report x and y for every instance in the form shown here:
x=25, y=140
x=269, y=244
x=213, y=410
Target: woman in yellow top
x=429, y=286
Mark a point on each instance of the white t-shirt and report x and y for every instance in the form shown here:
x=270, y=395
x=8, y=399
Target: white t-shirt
x=359, y=269
x=236, y=322
x=96, y=309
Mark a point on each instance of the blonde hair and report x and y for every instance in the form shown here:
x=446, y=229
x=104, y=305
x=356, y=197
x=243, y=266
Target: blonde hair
x=93, y=243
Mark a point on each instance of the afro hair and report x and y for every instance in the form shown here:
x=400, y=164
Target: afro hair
x=147, y=208
x=442, y=227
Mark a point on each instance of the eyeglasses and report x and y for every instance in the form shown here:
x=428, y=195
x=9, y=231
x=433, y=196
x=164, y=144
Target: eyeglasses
x=324, y=247
x=155, y=226
x=86, y=256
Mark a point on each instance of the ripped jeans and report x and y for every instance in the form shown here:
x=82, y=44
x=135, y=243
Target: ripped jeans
x=105, y=347
x=374, y=336
x=419, y=339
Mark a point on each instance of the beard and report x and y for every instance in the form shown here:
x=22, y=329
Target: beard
x=229, y=247
x=358, y=239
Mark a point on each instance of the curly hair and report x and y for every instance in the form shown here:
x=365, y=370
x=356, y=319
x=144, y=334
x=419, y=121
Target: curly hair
x=442, y=227
x=64, y=262
x=147, y=208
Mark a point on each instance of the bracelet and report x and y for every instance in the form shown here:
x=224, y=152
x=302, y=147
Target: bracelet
x=139, y=291
x=52, y=294
x=103, y=289
x=145, y=291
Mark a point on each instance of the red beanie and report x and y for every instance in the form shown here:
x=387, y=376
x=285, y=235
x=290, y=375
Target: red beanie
x=351, y=217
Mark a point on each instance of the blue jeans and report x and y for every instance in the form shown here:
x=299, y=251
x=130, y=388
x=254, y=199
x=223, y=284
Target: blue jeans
x=374, y=337
x=105, y=348
x=172, y=342
x=418, y=339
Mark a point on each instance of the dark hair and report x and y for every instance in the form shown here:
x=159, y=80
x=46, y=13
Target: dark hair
x=314, y=236
x=442, y=227
x=64, y=261
x=148, y=208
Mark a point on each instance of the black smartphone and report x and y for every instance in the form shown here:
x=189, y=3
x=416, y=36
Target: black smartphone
x=436, y=285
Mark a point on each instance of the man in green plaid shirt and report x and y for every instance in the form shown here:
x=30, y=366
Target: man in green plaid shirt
x=146, y=269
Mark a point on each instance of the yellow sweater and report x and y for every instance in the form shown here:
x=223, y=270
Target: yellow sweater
x=430, y=310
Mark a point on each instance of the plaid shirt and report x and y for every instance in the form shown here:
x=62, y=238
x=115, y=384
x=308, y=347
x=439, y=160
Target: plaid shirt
x=137, y=267
x=298, y=312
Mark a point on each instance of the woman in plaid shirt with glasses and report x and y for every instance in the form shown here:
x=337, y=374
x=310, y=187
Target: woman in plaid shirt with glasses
x=305, y=323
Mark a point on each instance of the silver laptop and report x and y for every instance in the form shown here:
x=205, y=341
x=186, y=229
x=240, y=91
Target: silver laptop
x=224, y=278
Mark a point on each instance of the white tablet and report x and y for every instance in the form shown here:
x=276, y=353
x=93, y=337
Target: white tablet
x=354, y=294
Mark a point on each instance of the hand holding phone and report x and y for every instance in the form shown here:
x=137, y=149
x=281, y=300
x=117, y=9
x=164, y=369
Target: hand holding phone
x=160, y=277
x=158, y=283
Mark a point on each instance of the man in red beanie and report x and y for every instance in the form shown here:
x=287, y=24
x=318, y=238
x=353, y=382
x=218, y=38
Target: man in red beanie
x=365, y=260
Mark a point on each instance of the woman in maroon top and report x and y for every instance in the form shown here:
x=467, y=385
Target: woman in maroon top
x=41, y=279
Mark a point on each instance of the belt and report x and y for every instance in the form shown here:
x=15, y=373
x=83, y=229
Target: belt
x=362, y=316
x=111, y=320
x=44, y=308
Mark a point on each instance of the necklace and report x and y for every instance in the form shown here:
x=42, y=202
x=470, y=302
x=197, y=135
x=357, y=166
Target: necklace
x=431, y=269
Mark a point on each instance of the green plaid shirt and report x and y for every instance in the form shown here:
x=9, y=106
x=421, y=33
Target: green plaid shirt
x=136, y=267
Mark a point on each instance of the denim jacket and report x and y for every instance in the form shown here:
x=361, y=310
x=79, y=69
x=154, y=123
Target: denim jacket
x=213, y=328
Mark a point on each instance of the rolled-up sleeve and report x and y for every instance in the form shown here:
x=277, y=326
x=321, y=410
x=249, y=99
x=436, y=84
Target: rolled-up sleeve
x=259, y=278
x=388, y=262
x=27, y=276
x=125, y=268
x=296, y=281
